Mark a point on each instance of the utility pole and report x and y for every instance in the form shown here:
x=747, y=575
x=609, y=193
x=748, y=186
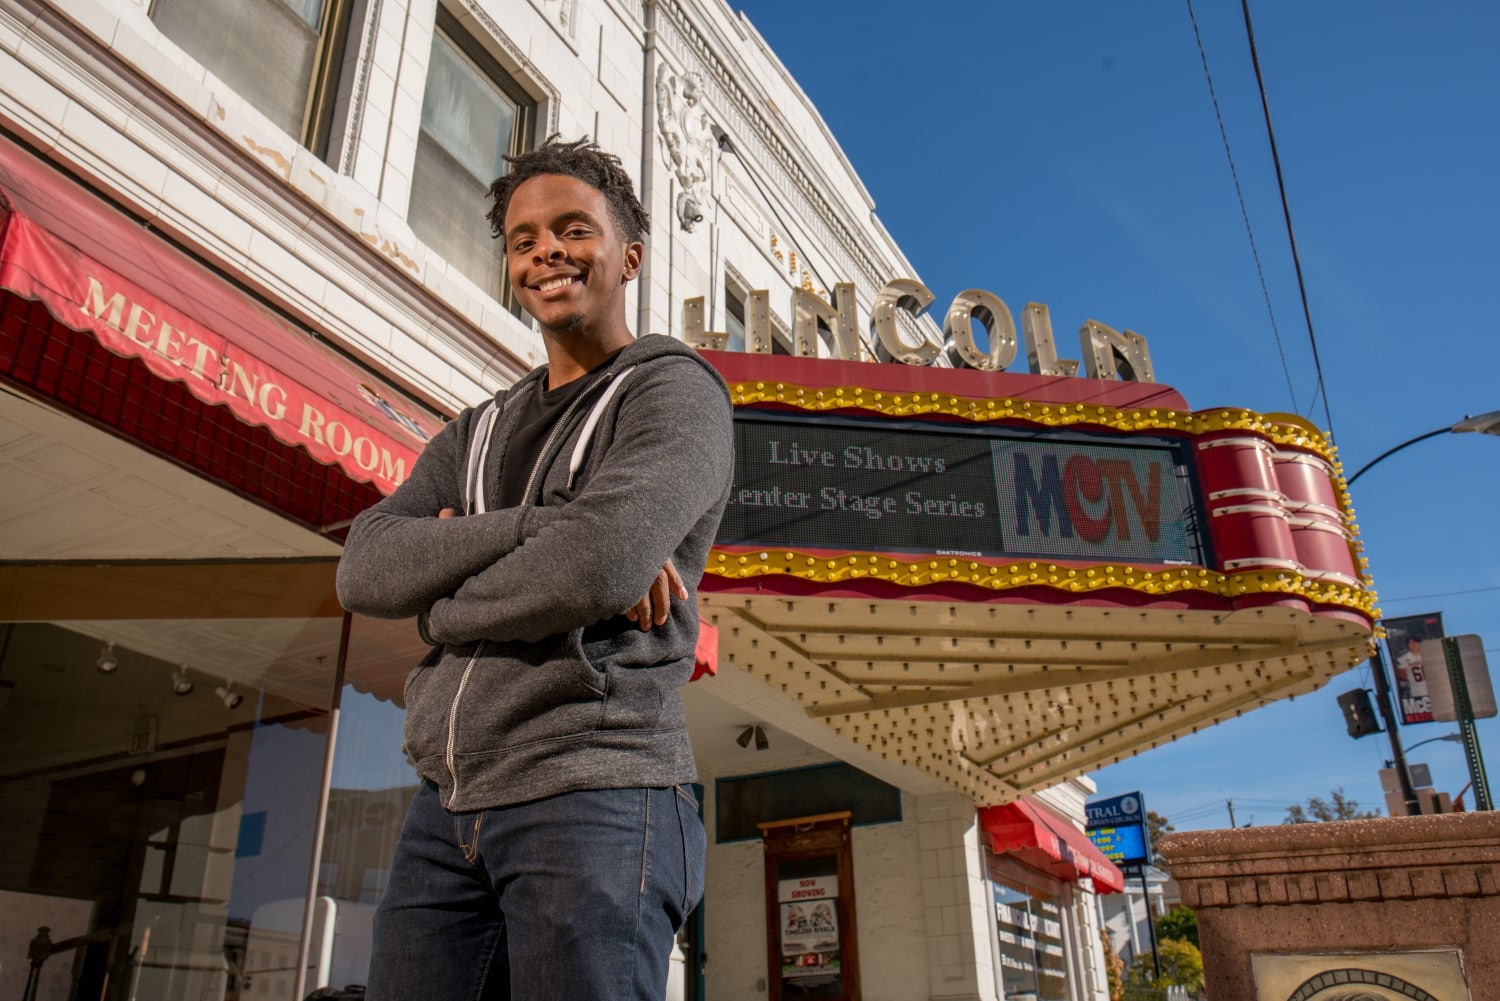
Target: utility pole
x=1230, y=803
x=1150, y=923
x=1388, y=714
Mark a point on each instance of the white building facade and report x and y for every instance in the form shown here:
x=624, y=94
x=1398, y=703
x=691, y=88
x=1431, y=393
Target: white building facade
x=200, y=771
x=1128, y=917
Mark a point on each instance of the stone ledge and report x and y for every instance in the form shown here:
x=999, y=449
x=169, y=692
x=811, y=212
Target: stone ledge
x=1387, y=858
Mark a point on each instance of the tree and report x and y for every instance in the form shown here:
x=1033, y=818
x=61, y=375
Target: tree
x=1114, y=969
x=1318, y=810
x=1156, y=826
x=1179, y=924
x=1181, y=965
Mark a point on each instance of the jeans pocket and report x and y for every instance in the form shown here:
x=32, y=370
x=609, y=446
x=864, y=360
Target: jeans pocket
x=694, y=846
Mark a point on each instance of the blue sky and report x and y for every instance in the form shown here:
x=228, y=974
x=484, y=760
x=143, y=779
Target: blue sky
x=1068, y=153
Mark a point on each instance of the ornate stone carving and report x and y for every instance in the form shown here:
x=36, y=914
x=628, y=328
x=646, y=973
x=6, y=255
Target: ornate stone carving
x=754, y=135
x=686, y=141
x=563, y=13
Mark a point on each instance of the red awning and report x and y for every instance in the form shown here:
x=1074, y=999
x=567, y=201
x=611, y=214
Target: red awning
x=1046, y=841
x=99, y=272
x=706, y=653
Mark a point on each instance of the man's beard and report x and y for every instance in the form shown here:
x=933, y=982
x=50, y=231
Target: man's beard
x=570, y=324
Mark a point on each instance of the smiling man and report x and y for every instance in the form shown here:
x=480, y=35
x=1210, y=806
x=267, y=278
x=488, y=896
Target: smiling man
x=554, y=847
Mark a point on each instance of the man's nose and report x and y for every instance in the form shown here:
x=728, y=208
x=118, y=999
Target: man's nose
x=549, y=248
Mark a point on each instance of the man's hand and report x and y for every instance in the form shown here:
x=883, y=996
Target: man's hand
x=656, y=605
x=447, y=512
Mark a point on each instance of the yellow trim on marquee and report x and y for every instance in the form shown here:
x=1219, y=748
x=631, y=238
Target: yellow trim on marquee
x=1032, y=573
x=1284, y=429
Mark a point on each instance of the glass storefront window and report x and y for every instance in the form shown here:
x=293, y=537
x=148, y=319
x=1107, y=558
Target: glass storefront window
x=371, y=789
x=1030, y=938
x=156, y=819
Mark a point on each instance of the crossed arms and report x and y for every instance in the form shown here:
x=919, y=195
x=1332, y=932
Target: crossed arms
x=526, y=573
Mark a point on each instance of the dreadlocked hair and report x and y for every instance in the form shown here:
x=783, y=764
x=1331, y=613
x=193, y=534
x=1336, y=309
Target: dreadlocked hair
x=584, y=160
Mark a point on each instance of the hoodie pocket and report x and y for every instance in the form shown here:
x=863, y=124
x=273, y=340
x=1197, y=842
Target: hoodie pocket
x=640, y=671
x=524, y=692
x=426, y=704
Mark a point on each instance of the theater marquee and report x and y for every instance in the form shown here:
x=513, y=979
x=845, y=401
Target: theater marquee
x=1007, y=579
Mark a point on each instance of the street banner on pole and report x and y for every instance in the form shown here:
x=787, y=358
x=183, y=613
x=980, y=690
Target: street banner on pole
x=1403, y=637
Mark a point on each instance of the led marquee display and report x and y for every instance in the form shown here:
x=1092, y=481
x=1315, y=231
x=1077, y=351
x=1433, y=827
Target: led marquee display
x=879, y=486
x=1121, y=845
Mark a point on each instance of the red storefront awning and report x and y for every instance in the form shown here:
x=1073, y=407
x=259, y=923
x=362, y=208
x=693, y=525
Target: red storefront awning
x=99, y=272
x=1046, y=841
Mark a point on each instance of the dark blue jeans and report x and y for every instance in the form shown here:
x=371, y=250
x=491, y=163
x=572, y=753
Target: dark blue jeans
x=575, y=897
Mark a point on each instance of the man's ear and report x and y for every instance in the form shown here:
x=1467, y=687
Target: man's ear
x=633, y=252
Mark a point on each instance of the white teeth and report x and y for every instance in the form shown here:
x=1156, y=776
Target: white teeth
x=555, y=283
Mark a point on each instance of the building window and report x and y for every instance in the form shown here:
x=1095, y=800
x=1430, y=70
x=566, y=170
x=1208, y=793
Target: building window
x=473, y=115
x=744, y=801
x=1031, y=932
x=282, y=56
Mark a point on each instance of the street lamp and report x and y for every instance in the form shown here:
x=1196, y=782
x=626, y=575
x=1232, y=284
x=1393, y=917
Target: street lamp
x=1484, y=424
x=1456, y=738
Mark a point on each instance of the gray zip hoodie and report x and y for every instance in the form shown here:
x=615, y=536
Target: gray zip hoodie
x=537, y=684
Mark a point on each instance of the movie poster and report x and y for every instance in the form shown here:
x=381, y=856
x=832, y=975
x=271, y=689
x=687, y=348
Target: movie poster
x=809, y=925
x=1403, y=638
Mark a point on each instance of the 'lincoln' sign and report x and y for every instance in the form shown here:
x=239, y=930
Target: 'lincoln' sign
x=1107, y=353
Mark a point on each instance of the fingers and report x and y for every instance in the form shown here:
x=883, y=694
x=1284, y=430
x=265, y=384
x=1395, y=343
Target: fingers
x=640, y=612
x=655, y=606
x=679, y=589
x=447, y=512
x=661, y=597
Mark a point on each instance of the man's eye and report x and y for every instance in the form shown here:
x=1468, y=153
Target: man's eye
x=576, y=232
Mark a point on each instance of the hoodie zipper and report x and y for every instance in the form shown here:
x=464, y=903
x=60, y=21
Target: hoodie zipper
x=453, y=723
x=463, y=682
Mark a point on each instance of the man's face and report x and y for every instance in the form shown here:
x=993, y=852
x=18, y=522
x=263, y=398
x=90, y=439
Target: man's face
x=567, y=260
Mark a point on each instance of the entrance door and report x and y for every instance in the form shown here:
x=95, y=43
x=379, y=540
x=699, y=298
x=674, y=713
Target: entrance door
x=810, y=932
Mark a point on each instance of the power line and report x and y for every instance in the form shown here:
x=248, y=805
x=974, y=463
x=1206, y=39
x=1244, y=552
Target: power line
x=1286, y=212
x=1244, y=213
x=1439, y=594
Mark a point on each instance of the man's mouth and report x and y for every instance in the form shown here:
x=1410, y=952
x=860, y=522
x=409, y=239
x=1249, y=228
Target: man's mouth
x=553, y=284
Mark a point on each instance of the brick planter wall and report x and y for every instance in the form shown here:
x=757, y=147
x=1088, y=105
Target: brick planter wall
x=1368, y=888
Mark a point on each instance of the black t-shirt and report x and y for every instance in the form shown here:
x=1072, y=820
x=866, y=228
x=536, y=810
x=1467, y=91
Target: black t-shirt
x=540, y=412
